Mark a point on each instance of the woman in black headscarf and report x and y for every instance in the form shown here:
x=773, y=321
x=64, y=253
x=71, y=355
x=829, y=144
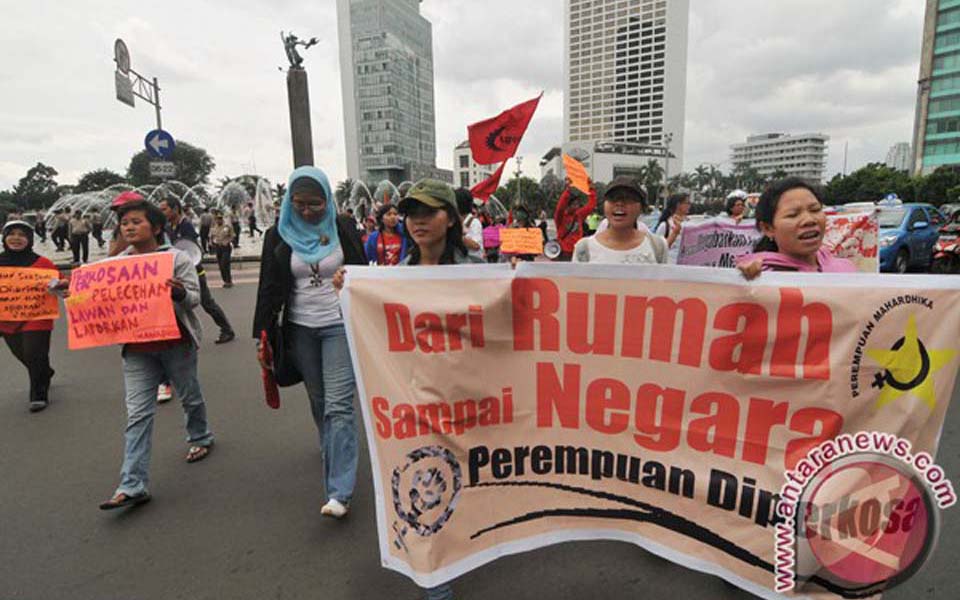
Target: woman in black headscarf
x=28, y=340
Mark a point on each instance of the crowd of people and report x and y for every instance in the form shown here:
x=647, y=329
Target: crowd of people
x=298, y=324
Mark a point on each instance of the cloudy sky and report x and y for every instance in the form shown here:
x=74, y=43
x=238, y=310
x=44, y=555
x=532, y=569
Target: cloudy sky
x=847, y=68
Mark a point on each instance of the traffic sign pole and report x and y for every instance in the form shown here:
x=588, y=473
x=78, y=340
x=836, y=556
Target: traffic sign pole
x=156, y=96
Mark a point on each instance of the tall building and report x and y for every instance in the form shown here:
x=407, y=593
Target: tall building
x=899, y=157
x=466, y=172
x=386, y=74
x=803, y=155
x=625, y=72
x=936, y=136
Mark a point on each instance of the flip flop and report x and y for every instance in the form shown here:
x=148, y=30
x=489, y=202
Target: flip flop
x=121, y=500
x=198, y=453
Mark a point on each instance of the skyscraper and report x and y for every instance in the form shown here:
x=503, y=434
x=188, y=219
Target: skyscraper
x=386, y=74
x=625, y=68
x=898, y=156
x=936, y=136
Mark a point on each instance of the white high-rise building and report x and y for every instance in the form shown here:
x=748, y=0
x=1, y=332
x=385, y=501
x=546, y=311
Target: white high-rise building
x=803, y=155
x=625, y=72
x=466, y=172
x=386, y=73
x=900, y=157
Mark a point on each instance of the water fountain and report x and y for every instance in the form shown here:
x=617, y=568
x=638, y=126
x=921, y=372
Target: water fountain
x=386, y=193
x=360, y=200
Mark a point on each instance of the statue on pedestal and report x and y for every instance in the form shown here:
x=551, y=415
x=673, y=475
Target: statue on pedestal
x=290, y=43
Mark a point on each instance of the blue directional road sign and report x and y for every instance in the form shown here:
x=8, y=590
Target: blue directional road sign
x=159, y=143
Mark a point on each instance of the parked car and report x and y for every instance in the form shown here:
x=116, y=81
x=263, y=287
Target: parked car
x=908, y=233
x=857, y=207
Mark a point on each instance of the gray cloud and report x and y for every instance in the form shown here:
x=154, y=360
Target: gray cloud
x=847, y=69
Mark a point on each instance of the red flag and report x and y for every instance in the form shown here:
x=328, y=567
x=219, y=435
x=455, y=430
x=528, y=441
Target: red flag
x=488, y=186
x=497, y=139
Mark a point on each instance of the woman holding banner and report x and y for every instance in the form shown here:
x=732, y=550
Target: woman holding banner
x=300, y=258
x=622, y=242
x=433, y=224
x=147, y=364
x=790, y=216
x=29, y=341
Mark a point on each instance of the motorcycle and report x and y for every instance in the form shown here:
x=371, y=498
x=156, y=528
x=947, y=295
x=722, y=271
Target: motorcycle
x=946, y=253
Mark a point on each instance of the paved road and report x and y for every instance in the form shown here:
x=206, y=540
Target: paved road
x=245, y=523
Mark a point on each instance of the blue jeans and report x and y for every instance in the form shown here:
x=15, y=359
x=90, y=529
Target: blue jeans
x=142, y=373
x=322, y=356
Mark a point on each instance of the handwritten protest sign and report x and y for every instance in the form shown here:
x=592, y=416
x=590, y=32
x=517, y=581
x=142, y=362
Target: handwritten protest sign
x=855, y=236
x=655, y=405
x=515, y=240
x=577, y=173
x=24, y=295
x=720, y=242
x=716, y=242
x=121, y=300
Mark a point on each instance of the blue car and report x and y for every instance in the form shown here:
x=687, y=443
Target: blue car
x=908, y=233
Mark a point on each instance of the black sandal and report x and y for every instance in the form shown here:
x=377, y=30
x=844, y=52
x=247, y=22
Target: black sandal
x=121, y=500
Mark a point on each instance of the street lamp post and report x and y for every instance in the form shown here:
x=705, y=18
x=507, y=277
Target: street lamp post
x=518, y=172
x=667, y=139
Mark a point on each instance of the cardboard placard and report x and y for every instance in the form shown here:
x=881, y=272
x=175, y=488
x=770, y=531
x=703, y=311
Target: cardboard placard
x=24, y=295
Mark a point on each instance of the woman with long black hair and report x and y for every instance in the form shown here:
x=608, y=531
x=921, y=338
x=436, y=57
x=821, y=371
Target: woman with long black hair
x=671, y=221
x=387, y=245
x=28, y=340
x=791, y=218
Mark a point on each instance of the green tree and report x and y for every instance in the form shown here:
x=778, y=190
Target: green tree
x=530, y=194
x=652, y=180
x=342, y=192
x=194, y=166
x=551, y=187
x=936, y=186
x=777, y=175
x=8, y=204
x=38, y=188
x=100, y=179
x=871, y=183
x=701, y=177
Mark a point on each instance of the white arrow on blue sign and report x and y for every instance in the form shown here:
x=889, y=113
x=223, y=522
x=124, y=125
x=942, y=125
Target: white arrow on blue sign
x=159, y=143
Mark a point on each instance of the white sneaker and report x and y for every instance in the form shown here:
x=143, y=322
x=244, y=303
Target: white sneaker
x=164, y=392
x=334, y=508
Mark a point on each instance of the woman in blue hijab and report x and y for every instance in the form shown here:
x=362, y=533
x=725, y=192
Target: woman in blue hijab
x=299, y=310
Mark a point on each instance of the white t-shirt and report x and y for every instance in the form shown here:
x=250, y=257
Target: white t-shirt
x=605, y=225
x=598, y=253
x=313, y=300
x=473, y=229
x=674, y=252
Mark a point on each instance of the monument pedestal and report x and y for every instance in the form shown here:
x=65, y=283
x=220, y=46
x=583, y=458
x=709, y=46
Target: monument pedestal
x=299, y=98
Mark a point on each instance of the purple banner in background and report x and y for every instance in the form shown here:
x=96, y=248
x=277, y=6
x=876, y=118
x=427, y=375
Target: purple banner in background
x=716, y=243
